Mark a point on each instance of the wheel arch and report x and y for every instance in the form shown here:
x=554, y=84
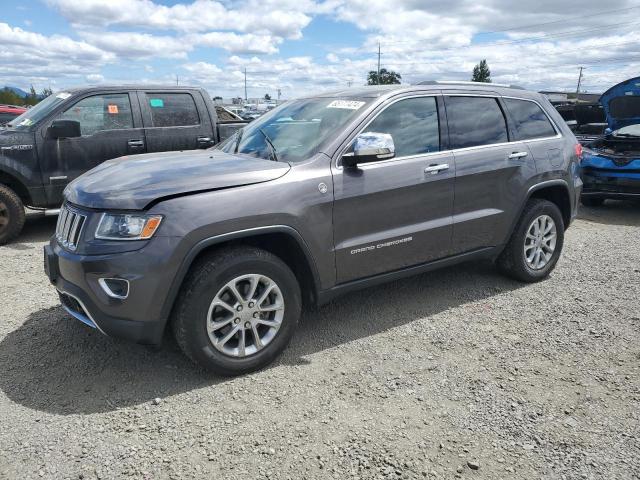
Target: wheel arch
x=283, y=241
x=14, y=183
x=557, y=192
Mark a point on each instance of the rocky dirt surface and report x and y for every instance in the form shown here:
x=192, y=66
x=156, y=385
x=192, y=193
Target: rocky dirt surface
x=455, y=374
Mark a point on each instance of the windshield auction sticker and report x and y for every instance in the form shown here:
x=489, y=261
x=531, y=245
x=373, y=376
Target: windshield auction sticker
x=346, y=104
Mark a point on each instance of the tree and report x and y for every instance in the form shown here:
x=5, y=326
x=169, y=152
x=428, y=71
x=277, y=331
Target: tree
x=267, y=96
x=46, y=92
x=387, y=77
x=481, y=72
x=216, y=98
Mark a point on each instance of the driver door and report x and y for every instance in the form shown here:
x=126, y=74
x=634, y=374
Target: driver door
x=396, y=213
x=110, y=127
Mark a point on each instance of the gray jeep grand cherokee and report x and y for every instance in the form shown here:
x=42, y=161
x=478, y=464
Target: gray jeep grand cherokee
x=320, y=196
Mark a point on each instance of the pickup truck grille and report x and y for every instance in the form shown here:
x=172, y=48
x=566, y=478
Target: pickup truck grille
x=69, y=227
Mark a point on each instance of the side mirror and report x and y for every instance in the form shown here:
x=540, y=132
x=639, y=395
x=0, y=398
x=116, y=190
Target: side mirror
x=64, y=129
x=370, y=147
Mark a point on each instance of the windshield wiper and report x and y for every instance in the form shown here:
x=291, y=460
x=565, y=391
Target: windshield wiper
x=271, y=145
x=626, y=135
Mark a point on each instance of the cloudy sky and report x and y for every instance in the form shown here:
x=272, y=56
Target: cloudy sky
x=302, y=46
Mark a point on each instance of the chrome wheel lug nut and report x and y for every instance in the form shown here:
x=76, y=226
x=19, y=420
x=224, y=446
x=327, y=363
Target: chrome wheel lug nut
x=251, y=304
x=256, y=315
x=239, y=308
x=247, y=325
x=236, y=321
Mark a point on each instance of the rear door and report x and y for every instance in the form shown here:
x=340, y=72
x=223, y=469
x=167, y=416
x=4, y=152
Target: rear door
x=534, y=127
x=110, y=127
x=491, y=171
x=396, y=213
x=175, y=120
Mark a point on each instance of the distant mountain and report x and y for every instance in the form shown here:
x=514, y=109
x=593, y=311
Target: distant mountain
x=18, y=91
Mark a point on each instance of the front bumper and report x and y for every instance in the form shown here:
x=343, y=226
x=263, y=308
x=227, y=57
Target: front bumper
x=610, y=184
x=139, y=317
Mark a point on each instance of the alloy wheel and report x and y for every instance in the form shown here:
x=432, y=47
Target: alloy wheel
x=540, y=242
x=245, y=315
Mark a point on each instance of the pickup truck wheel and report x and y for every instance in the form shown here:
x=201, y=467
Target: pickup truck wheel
x=592, y=201
x=237, y=310
x=12, y=215
x=536, y=243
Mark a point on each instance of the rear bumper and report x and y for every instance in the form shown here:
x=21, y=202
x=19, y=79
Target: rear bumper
x=138, y=317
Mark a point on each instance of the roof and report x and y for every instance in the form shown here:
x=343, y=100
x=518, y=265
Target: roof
x=128, y=87
x=374, y=91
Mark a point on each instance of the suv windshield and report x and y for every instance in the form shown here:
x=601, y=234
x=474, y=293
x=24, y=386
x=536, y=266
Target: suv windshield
x=294, y=131
x=37, y=113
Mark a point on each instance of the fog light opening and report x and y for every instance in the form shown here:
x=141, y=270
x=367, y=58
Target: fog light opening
x=115, y=287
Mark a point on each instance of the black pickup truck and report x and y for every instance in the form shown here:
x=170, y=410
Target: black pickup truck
x=71, y=132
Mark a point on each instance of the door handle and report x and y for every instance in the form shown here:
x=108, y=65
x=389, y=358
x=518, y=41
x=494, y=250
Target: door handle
x=204, y=140
x=136, y=143
x=435, y=169
x=516, y=155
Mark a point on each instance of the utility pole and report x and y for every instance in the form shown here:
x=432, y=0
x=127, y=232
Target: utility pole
x=245, y=84
x=176, y=80
x=378, y=77
x=578, y=87
x=279, y=93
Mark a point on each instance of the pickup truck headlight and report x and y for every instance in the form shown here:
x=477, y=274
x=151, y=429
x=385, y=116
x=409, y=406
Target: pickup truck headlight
x=127, y=226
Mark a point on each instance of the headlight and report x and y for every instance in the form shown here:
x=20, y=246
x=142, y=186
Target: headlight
x=127, y=226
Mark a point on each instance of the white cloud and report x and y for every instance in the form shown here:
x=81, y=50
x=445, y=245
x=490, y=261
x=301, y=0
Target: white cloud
x=233, y=42
x=95, y=78
x=284, y=19
x=137, y=45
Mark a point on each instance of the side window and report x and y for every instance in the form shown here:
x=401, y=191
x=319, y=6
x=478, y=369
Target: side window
x=413, y=124
x=530, y=121
x=172, y=109
x=475, y=121
x=101, y=112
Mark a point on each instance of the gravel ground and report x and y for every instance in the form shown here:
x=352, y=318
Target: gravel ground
x=455, y=374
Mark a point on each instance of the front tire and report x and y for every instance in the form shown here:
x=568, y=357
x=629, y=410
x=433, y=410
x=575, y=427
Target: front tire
x=536, y=243
x=237, y=310
x=12, y=215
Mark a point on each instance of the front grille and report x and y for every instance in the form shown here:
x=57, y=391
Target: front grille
x=69, y=227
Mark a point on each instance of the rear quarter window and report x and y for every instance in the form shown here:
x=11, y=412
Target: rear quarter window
x=475, y=121
x=172, y=109
x=529, y=119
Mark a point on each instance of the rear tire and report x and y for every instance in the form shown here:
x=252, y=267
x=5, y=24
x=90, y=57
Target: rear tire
x=208, y=312
x=519, y=259
x=592, y=201
x=12, y=215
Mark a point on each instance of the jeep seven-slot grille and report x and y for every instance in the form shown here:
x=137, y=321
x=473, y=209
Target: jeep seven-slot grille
x=69, y=227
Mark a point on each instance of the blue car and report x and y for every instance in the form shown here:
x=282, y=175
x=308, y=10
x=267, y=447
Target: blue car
x=611, y=163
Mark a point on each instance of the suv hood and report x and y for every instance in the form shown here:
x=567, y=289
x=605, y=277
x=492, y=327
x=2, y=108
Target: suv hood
x=621, y=104
x=133, y=182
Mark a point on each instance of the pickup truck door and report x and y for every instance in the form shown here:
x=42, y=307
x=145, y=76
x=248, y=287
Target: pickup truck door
x=110, y=127
x=176, y=120
x=392, y=214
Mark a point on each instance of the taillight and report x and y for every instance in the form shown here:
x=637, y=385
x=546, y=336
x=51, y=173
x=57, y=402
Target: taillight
x=578, y=150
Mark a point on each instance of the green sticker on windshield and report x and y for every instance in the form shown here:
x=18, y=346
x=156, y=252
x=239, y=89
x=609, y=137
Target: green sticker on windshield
x=156, y=102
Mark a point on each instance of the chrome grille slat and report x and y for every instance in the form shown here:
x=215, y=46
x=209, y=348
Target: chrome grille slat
x=69, y=227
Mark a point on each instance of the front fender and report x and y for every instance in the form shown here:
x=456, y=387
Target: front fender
x=205, y=243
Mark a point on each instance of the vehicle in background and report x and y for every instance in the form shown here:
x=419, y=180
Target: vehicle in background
x=318, y=197
x=586, y=120
x=611, y=164
x=71, y=132
x=9, y=112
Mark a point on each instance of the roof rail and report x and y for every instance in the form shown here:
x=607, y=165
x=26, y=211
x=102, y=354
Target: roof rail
x=463, y=82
